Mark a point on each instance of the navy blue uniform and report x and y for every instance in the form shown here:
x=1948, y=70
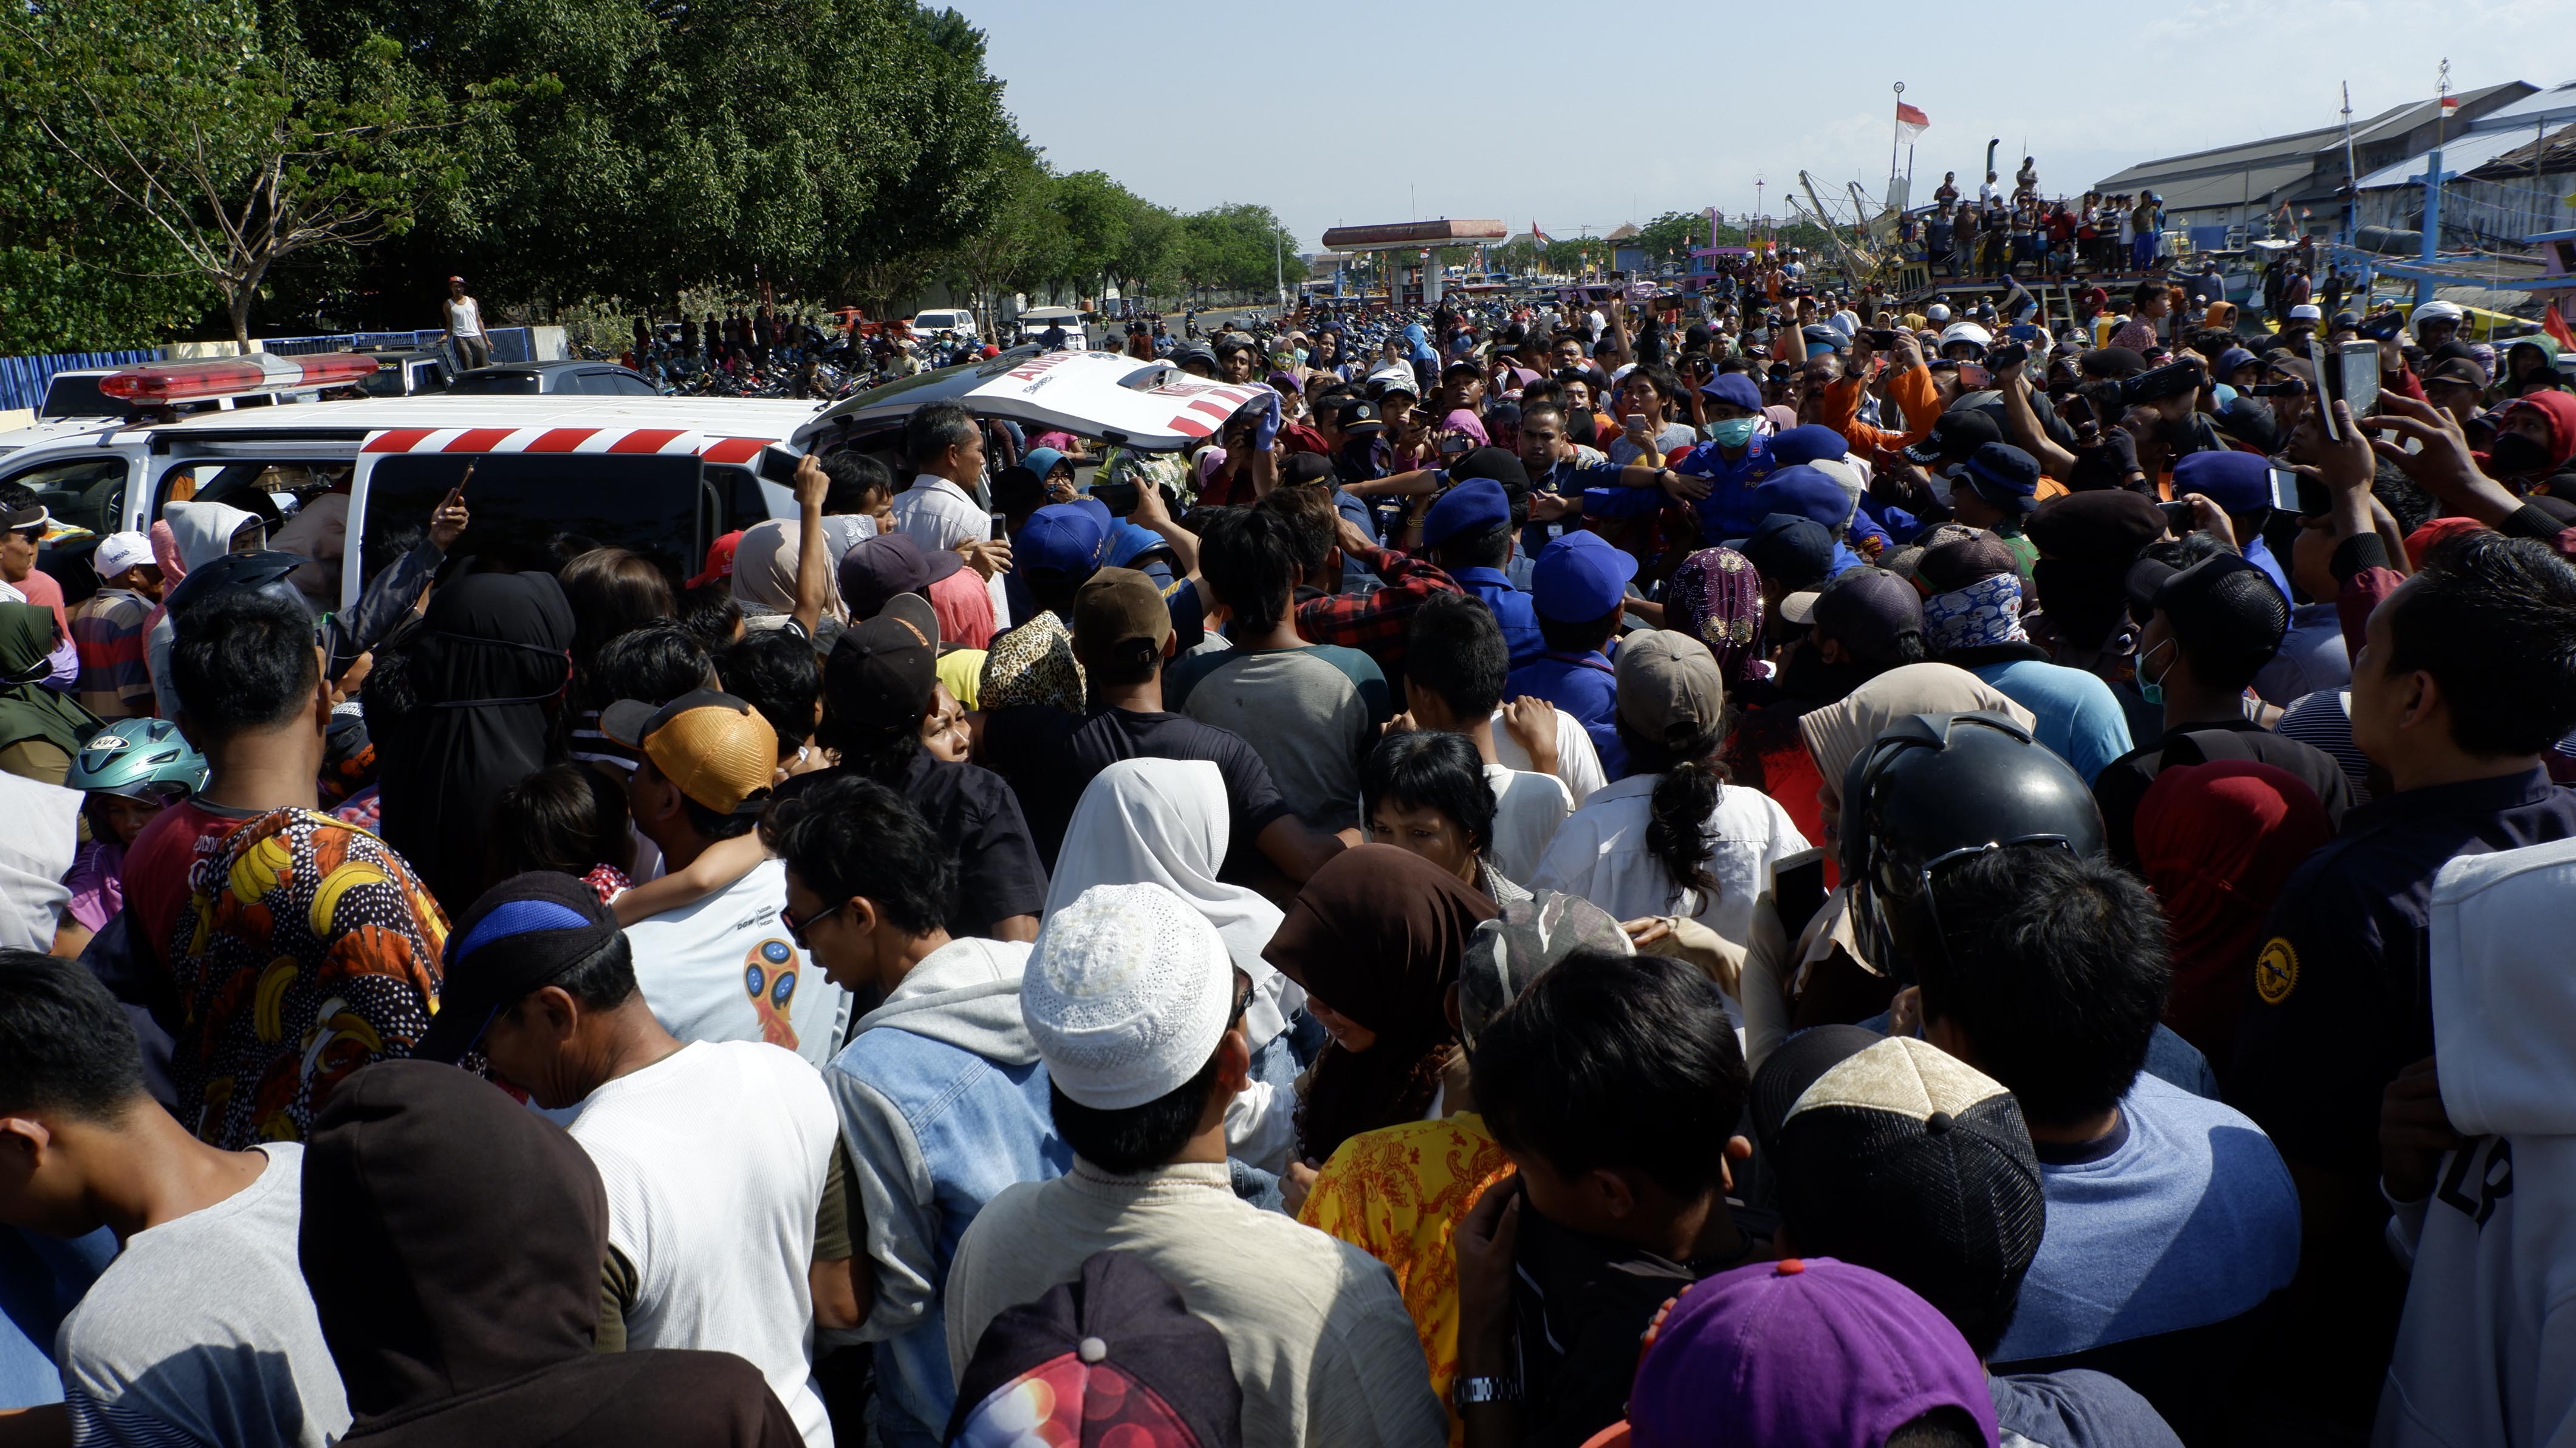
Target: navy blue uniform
x=2341, y=1000
x=1511, y=609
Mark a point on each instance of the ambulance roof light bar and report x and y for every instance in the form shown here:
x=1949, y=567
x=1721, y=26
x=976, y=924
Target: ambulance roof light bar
x=158, y=384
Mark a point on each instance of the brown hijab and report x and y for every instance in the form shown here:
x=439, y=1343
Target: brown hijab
x=1378, y=934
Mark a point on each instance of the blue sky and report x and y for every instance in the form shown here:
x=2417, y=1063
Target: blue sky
x=1594, y=114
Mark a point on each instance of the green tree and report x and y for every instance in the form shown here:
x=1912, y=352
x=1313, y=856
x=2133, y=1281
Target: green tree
x=241, y=150
x=1238, y=247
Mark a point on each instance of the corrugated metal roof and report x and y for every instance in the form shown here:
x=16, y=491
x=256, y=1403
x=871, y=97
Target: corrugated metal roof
x=2234, y=187
x=2549, y=104
x=2460, y=155
x=2406, y=118
x=2302, y=144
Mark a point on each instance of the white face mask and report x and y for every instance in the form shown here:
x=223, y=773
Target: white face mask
x=1941, y=482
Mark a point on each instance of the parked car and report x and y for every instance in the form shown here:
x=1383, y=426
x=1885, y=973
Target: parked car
x=534, y=379
x=1033, y=324
x=945, y=319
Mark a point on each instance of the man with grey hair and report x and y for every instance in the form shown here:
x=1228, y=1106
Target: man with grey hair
x=947, y=504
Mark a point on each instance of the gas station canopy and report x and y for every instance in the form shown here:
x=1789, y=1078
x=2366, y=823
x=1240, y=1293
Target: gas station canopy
x=1401, y=235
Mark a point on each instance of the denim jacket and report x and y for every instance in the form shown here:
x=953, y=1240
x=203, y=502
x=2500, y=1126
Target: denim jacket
x=943, y=1103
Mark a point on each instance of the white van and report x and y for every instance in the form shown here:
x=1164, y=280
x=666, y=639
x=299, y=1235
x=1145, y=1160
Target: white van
x=945, y=319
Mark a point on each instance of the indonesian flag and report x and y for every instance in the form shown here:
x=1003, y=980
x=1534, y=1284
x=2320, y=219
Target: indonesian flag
x=1910, y=121
x=2450, y=103
x=1538, y=235
x=2555, y=324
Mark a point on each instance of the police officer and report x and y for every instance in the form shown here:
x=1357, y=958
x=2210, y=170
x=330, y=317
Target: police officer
x=1468, y=532
x=1578, y=591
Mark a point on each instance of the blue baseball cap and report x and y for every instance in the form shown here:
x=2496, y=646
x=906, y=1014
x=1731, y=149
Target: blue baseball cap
x=2238, y=482
x=1805, y=492
x=1790, y=552
x=1808, y=443
x=1580, y=577
x=1478, y=505
x=1733, y=387
x=1062, y=538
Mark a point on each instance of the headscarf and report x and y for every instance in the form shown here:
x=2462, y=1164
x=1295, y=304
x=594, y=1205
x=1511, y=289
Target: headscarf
x=1417, y=345
x=1715, y=596
x=165, y=551
x=1032, y=664
x=1837, y=733
x=491, y=659
x=2221, y=316
x=2217, y=842
x=420, y=1176
x=29, y=710
x=1987, y=611
x=2559, y=410
x=1378, y=932
x=1461, y=420
x=764, y=570
x=203, y=532
x=1164, y=822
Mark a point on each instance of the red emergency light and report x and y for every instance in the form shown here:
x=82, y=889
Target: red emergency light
x=155, y=383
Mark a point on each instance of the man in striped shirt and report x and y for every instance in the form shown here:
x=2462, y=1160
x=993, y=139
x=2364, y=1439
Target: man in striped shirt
x=107, y=629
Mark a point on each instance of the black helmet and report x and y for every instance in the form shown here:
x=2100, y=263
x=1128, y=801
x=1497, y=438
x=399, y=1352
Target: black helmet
x=266, y=569
x=1936, y=786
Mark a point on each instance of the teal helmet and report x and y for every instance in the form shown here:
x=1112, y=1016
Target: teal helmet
x=140, y=759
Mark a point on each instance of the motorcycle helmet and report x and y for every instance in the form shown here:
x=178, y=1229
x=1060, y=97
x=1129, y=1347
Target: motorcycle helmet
x=2435, y=312
x=1970, y=333
x=144, y=759
x=1936, y=787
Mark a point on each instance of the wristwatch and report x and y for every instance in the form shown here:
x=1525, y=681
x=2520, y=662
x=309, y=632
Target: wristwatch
x=1465, y=1393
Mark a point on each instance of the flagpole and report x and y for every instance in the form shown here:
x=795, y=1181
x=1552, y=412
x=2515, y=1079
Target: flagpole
x=1896, y=134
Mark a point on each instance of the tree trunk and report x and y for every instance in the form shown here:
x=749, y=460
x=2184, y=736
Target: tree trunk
x=237, y=302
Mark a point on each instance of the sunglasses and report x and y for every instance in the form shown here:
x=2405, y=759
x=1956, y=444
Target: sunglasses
x=796, y=928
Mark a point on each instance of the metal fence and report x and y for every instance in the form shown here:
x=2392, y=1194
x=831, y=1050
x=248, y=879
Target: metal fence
x=509, y=344
x=23, y=379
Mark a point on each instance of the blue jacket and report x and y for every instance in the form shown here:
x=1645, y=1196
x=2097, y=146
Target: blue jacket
x=943, y=1103
x=1511, y=609
x=1727, y=511
x=1585, y=686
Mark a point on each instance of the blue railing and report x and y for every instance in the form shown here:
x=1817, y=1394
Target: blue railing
x=509, y=344
x=23, y=379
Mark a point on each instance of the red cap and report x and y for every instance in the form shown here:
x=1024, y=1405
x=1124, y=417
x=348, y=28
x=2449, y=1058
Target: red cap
x=719, y=560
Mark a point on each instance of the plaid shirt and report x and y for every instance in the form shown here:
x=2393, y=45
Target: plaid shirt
x=1375, y=622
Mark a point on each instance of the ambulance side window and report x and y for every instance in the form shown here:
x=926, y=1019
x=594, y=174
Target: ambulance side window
x=83, y=492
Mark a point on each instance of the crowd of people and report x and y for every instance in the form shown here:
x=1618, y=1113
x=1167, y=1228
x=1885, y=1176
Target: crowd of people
x=1833, y=873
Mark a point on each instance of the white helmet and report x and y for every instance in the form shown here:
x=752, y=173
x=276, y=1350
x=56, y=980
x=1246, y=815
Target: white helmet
x=1968, y=332
x=1936, y=313
x=2435, y=312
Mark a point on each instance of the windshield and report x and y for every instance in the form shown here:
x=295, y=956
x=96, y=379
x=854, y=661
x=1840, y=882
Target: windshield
x=78, y=397
x=497, y=384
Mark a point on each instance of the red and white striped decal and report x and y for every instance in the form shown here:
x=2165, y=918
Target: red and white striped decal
x=667, y=441
x=1208, y=407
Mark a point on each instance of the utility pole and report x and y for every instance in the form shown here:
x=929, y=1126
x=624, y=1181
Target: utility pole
x=1895, y=135
x=1279, y=264
x=2351, y=175
x=2433, y=190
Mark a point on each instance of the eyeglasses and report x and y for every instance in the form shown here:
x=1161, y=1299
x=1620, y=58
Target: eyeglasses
x=796, y=928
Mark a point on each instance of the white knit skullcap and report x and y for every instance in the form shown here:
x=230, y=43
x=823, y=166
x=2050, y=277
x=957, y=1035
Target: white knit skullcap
x=1126, y=994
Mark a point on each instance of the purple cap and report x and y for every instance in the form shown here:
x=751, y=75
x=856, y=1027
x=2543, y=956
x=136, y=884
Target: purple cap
x=1801, y=1353
x=1580, y=577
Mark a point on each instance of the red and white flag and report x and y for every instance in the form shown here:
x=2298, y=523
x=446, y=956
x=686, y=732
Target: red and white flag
x=1910, y=121
x=2450, y=103
x=1538, y=235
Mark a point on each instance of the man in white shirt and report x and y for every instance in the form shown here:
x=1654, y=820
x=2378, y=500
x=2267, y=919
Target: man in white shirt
x=725, y=1230
x=1137, y=1011
x=201, y=1330
x=722, y=967
x=465, y=326
x=945, y=504
x=1455, y=686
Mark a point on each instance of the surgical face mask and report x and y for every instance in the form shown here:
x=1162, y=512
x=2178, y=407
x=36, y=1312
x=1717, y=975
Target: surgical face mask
x=1732, y=432
x=1946, y=481
x=2152, y=690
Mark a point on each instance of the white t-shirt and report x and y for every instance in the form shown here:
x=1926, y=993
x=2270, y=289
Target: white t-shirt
x=464, y=318
x=724, y=969
x=714, y=1158
x=202, y=1330
x=1527, y=809
x=1578, y=764
x=1600, y=854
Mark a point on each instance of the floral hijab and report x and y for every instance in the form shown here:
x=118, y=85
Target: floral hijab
x=1715, y=596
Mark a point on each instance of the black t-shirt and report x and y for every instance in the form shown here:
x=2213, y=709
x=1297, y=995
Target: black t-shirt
x=977, y=819
x=1050, y=757
x=1580, y=1308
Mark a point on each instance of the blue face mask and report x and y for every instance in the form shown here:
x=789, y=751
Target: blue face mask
x=1733, y=432
x=2151, y=690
